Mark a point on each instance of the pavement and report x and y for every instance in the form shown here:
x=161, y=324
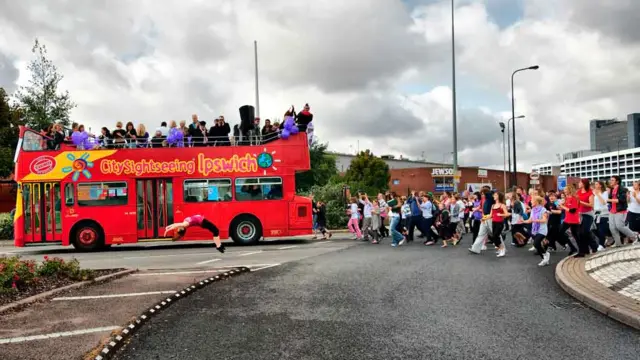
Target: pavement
x=74, y=322
x=377, y=302
x=608, y=282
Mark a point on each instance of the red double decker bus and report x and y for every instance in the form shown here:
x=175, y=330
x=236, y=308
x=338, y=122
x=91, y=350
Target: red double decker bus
x=92, y=199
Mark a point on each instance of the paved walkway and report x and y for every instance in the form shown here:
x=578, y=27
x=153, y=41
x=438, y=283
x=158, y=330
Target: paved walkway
x=608, y=282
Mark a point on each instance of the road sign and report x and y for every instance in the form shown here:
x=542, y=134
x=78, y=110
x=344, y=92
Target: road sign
x=562, y=182
x=534, y=176
x=483, y=173
x=534, y=181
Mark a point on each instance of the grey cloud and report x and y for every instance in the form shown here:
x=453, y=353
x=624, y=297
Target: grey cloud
x=8, y=73
x=365, y=43
x=619, y=19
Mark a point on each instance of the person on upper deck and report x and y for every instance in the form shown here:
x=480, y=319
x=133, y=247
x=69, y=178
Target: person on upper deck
x=304, y=118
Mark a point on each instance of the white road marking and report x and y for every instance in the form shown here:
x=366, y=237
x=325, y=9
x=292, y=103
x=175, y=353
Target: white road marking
x=288, y=247
x=207, y=261
x=168, y=255
x=265, y=267
x=250, y=253
x=56, y=335
x=178, y=272
x=248, y=265
x=112, y=295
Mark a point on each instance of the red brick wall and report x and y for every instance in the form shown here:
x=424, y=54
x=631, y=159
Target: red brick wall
x=421, y=179
x=7, y=198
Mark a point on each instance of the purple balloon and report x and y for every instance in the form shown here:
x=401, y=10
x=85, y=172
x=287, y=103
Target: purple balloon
x=175, y=137
x=285, y=134
x=294, y=130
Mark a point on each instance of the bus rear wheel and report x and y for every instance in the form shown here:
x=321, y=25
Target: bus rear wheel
x=88, y=237
x=246, y=230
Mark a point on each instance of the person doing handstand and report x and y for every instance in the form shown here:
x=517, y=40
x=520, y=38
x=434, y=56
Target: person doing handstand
x=180, y=229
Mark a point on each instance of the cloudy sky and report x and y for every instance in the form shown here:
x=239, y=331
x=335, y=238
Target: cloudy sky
x=376, y=72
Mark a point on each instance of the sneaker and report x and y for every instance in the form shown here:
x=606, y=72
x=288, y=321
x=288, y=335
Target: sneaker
x=601, y=248
x=502, y=252
x=532, y=248
x=484, y=247
x=545, y=259
x=473, y=252
x=404, y=240
x=394, y=245
x=221, y=248
x=429, y=243
x=374, y=242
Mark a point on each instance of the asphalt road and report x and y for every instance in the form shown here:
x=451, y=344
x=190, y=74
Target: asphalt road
x=376, y=302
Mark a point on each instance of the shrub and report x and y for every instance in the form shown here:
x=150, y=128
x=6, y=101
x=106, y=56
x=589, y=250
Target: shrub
x=16, y=274
x=332, y=195
x=6, y=226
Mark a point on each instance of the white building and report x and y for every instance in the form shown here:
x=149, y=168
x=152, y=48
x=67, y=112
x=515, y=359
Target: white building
x=603, y=166
x=343, y=161
x=547, y=169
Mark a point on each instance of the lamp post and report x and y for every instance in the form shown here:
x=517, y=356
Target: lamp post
x=504, y=158
x=513, y=115
x=509, y=141
x=619, y=141
x=455, y=119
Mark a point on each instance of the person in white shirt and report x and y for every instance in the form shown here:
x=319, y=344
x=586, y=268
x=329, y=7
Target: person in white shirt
x=601, y=209
x=164, y=130
x=367, y=214
x=353, y=225
x=633, y=209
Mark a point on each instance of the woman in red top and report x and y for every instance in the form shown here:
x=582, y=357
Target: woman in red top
x=586, y=199
x=180, y=229
x=571, y=218
x=498, y=213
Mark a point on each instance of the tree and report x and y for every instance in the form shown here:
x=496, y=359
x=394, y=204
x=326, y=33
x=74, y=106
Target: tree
x=41, y=102
x=323, y=167
x=367, y=173
x=9, y=122
x=332, y=194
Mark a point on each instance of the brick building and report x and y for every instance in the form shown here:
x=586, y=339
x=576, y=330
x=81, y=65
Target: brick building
x=438, y=180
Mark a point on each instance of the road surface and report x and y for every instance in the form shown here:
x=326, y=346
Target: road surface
x=376, y=302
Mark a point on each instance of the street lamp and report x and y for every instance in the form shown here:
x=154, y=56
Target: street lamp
x=504, y=158
x=513, y=115
x=619, y=141
x=509, y=140
x=455, y=116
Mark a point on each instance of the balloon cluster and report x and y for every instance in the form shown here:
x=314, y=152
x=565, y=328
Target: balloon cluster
x=290, y=127
x=175, y=137
x=83, y=140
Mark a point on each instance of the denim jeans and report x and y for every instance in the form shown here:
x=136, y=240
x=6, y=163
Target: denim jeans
x=315, y=222
x=395, y=234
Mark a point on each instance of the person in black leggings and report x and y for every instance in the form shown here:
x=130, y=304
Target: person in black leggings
x=571, y=219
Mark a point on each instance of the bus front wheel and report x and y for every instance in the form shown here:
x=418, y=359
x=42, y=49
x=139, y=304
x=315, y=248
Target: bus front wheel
x=88, y=237
x=246, y=230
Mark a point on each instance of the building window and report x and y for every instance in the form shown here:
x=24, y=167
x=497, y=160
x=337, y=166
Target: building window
x=265, y=188
x=102, y=194
x=396, y=182
x=207, y=190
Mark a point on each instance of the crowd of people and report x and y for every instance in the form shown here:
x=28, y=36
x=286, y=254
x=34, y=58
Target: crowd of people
x=175, y=134
x=583, y=218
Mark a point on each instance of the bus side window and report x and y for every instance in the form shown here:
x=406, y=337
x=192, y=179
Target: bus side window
x=69, y=198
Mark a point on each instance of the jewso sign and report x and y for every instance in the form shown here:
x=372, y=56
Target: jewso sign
x=441, y=172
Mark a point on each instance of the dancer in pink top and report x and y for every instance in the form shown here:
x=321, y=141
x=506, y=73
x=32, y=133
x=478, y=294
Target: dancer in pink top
x=191, y=221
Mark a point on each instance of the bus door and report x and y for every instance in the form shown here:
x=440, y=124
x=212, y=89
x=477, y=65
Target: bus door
x=154, y=207
x=42, y=208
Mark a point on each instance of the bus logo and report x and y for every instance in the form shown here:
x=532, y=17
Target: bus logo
x=42, y=165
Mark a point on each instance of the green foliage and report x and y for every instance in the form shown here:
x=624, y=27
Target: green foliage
x=368, y=173
x=9, y=121
x=6, y=226
x=40, y=101
x=323, y=167
x=16, y=274
x=332, y=195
